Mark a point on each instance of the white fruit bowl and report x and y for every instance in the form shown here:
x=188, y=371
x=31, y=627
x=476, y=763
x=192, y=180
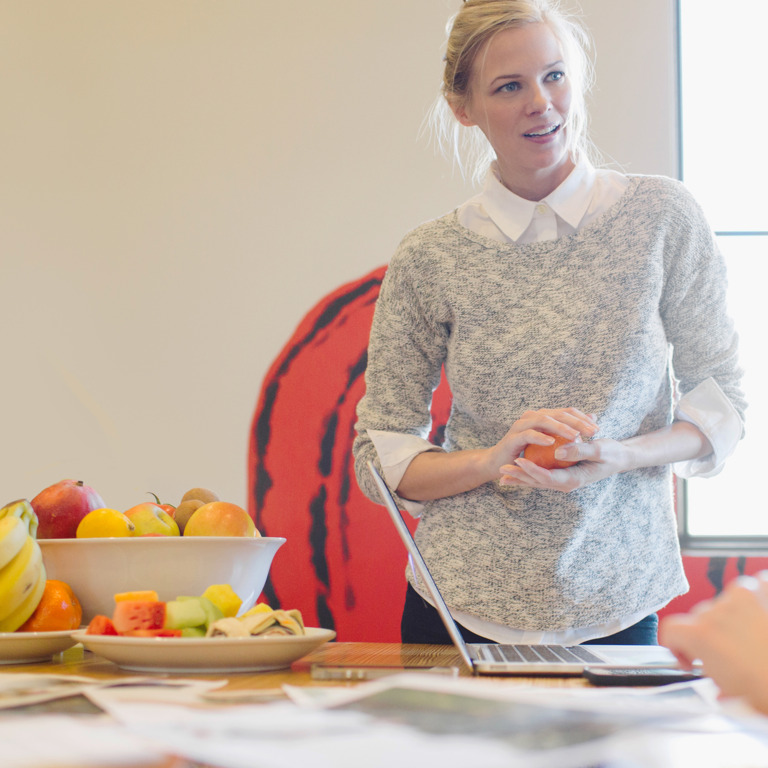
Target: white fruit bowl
x=96, y=569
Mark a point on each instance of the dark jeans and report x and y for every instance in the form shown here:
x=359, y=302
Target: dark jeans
x=421, y=623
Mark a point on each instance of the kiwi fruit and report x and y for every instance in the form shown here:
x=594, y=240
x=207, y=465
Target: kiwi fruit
x=184, y=511
x=200, y=494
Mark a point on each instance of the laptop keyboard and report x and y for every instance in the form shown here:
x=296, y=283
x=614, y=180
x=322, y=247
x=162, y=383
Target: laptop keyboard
x=545, y=654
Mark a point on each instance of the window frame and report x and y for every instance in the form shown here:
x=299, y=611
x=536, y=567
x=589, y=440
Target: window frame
x=690, y=544
x=705, y=546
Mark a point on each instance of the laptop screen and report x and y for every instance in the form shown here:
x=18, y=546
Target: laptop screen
x=417, y=562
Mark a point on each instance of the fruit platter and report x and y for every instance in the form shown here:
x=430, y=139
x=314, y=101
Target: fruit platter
x=211, y=655
x=175, y=586
x=33, y=647
x=199, y=634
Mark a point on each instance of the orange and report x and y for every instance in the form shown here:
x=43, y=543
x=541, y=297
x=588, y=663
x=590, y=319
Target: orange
x=544, y=455
x=58, y=610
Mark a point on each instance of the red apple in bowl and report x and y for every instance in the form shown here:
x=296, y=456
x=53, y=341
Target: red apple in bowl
x=61, y=507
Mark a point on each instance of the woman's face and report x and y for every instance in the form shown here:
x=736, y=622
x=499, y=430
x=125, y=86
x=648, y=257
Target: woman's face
x=520, y=97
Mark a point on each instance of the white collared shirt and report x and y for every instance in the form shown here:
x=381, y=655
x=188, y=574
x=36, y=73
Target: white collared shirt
x=501, y=215
x=504, y=216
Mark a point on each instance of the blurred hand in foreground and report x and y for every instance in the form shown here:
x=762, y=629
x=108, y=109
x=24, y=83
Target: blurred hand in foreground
x=729, y=635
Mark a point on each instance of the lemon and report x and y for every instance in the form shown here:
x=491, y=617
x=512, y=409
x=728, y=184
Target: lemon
x=103, y=523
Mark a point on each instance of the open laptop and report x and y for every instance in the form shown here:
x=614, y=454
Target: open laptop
x=493, y=659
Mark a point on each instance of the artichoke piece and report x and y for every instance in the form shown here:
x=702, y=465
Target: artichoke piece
x=259, y=623
x=229, y=627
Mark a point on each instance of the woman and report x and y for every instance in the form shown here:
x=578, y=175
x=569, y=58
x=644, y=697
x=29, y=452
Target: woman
x=552, y=299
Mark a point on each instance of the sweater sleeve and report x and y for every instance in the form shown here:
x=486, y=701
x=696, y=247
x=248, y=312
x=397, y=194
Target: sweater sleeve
x=694, y=304
x=406, y=351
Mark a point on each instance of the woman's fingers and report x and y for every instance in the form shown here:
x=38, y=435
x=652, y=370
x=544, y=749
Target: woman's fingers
x=540, y=428
x=585, y=424
x=569, y=423
x=580, y=451
x=595, y=460
x=679, y=635
x=525, y=472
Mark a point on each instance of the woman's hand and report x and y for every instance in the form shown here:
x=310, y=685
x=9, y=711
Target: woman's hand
x=435, y=475
x=597, y=459
x=537, y=428
x=601, y=458
x=730, y=636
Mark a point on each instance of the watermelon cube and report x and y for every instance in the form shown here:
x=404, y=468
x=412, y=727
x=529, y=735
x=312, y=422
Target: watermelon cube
x=101, y=625
x=138, y=614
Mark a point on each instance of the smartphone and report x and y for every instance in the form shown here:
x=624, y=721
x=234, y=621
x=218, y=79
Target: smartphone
x=341, y=672
x=639, y=675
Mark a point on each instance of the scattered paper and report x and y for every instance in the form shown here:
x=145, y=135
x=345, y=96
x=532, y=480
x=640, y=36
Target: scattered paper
x=22, y=690
x=52, y=741
x=403, y=720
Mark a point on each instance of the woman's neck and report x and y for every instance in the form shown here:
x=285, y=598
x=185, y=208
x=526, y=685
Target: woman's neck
x=536, y=185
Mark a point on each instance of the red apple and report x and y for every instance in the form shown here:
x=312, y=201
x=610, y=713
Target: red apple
x=61, y=507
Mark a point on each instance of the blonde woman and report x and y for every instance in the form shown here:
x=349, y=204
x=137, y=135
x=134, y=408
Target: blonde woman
x=562, y=300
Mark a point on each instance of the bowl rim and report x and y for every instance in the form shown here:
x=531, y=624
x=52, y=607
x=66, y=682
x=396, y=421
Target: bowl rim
x=122, y=539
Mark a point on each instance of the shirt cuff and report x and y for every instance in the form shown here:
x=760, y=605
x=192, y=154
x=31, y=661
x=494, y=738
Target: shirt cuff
x=707, y=407
x=396, y=450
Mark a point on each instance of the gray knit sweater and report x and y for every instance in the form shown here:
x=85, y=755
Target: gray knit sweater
x=597, y=320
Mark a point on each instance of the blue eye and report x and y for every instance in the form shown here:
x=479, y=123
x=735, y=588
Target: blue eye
x=556, y=76
x=511, y=86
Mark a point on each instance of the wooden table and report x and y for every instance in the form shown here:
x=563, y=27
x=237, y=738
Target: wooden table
x=76, y=661
x=260, y=687
x=257, y=687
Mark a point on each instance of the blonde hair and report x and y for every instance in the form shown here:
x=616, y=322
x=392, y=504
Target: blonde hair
x=468, y=32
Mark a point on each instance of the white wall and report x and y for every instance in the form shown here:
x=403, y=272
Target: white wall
x=180, y=180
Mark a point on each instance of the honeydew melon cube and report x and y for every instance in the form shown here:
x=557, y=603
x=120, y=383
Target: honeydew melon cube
x=192, y=632
x=181, y=614
x=212, y=611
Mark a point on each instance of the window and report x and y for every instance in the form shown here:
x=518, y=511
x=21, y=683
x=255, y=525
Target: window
x=723, y=120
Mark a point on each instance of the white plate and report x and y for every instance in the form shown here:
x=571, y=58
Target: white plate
x=208, y=654
x=29, y=647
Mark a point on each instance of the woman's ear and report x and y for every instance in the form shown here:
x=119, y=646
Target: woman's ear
x=459, y=110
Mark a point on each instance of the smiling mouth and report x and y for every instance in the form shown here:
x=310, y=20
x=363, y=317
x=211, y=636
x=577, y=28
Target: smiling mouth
x=545, y=132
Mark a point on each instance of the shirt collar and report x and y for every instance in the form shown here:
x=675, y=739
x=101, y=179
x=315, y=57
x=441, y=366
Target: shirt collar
x=512, y=214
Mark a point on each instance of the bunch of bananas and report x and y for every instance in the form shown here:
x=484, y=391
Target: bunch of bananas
x=22, y=573
x=25, y=512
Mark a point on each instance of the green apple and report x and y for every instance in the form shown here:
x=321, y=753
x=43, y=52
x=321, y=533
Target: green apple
x=149, y=518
